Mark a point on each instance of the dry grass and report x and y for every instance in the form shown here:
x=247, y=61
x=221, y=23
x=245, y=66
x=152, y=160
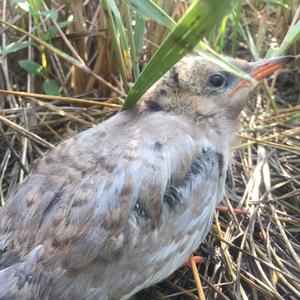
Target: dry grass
x=248, y=257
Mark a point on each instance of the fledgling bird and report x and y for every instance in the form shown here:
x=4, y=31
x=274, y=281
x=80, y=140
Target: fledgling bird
x=119, y=207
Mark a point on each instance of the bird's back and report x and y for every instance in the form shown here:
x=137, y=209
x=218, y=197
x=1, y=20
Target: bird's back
x=115, y=202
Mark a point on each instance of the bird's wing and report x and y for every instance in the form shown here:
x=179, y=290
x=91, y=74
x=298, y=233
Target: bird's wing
x=78, y=200
x=20, y=282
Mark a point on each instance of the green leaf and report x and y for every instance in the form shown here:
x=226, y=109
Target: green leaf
x=52, y=30
x=51, y=13
x=31, y=66
x=13, y=47
x=50, y=87
x=191, y=28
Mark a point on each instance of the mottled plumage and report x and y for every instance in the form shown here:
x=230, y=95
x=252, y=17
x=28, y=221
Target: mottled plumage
x=121, y=206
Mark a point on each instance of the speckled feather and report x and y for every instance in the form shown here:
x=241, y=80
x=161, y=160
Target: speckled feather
x=121, y=206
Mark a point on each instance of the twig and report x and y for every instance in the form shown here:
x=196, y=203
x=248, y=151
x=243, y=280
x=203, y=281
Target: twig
x=197, y=278
x=60, y=98
x=26, y=133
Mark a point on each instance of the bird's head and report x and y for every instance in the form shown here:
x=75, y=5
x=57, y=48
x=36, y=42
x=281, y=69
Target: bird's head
x=201, y=90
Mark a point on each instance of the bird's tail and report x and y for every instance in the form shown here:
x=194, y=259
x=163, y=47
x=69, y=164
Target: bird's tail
x=23, y=280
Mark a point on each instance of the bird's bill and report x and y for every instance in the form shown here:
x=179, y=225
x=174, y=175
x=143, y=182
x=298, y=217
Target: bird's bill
x=263, y=68
x=266, y=67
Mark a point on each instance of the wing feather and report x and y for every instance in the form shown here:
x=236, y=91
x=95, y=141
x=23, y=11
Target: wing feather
x=79, y=200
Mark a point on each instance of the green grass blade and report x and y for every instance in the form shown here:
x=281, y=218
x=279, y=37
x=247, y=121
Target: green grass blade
x=236, y=20
x=148, y=9
x=135, y=61
x=139, y=30
x=119, y=23
x=196, y=22
x=222, y=35
x=251, y=44
x=291, y=37
x=124, y=44
x=115, y=40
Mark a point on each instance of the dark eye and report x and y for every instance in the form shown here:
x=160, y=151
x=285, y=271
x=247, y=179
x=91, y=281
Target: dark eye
x=216, y=80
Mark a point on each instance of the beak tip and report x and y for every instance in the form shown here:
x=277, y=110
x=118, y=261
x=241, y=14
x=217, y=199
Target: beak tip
x=289, y=58
x=266, y=67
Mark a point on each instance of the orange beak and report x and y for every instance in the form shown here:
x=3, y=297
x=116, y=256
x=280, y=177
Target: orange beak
x=266, y=67
x=263, y=68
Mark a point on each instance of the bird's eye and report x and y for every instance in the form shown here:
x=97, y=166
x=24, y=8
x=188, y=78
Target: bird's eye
x=216, y=80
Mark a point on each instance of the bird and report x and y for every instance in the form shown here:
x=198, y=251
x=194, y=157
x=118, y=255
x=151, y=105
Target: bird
x=121, y=206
